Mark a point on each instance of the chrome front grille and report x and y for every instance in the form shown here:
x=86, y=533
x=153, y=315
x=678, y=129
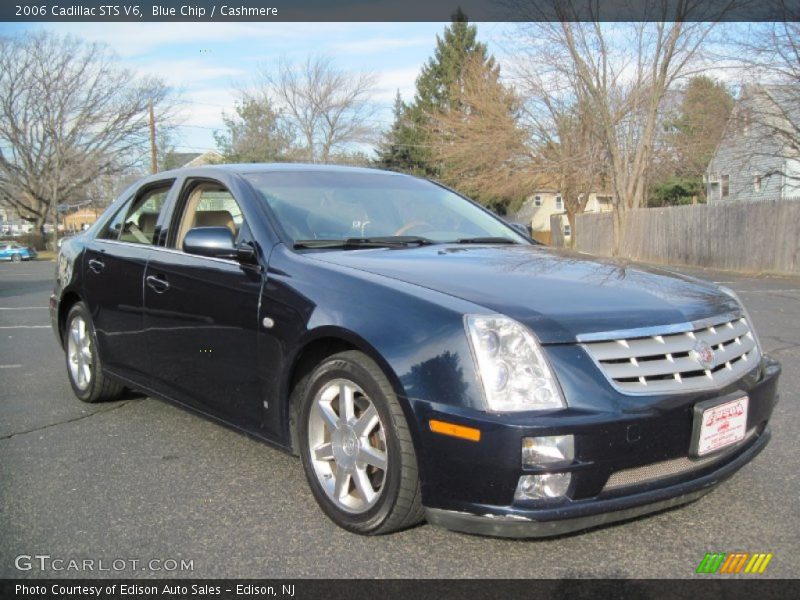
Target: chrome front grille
x=705, y=356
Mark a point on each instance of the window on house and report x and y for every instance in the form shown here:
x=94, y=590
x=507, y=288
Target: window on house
x=559, y=203
x=537, y=200
x=726, y=185
x=567, y=230
x=756, y=183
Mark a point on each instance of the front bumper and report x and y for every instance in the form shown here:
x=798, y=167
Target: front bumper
x=469, y=486
x=560, y=521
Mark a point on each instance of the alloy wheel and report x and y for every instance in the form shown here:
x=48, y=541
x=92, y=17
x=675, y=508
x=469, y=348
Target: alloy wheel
x=347, y=446
x=79, y=350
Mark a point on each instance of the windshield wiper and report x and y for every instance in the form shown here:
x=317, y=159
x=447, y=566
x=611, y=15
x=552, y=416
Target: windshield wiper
x=485, y=240
x=388, y=241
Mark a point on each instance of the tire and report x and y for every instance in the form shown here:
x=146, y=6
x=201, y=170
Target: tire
x=376, y=433
x=84, y=367
x=16, y=258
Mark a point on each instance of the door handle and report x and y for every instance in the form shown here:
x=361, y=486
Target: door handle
x=96, y=265
x=157, y=284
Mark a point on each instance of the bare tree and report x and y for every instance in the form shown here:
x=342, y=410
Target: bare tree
x=67, y=116
x=622, y=71
x=569, y=154
x=329, y=108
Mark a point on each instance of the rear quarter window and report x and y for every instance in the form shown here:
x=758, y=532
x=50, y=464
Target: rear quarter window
x=114, y=226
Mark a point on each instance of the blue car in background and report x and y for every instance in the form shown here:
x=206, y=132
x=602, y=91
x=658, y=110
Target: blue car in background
x=15, y=252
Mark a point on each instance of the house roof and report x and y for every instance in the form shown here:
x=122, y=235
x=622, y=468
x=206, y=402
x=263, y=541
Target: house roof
x=182, y=158
x=206, y=158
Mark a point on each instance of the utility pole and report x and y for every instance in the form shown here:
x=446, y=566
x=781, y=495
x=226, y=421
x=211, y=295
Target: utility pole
x=54, y=203
x=54, y=198
x=153, y=154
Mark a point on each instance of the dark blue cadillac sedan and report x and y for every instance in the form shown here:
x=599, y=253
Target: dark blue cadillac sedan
x=425, y=359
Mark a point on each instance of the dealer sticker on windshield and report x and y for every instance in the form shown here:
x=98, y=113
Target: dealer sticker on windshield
x=722, y=425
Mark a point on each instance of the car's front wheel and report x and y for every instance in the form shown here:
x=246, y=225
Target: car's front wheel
x=356, y=447
x=16, y=258
x=86, y=376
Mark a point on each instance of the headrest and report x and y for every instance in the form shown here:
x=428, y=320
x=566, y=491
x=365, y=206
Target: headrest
x=147, y=222
x=214, y=218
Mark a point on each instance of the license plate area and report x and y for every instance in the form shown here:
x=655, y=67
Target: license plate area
x=719, y=424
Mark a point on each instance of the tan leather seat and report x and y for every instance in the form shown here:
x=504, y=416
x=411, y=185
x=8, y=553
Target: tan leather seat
x=214, y=218
x=147, y=224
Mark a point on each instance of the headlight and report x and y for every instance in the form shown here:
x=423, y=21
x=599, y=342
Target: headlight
x=512, y=368
x=735, y=296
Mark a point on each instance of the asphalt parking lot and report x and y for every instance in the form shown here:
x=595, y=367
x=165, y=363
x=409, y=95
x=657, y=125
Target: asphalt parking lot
x=141, y=479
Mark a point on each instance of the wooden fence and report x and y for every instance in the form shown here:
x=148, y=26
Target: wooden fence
x=759, y=236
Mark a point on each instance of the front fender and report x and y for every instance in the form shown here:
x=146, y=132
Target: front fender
x=66, y=283
x=414, y=334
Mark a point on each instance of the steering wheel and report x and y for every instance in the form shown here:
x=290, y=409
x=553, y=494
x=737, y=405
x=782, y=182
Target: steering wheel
x=413, y=225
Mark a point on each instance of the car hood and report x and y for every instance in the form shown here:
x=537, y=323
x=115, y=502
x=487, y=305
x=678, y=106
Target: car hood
x=559, y=294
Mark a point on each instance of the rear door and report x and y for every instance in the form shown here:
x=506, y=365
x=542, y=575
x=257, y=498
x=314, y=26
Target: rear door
x=202, y=313
x=113, y=272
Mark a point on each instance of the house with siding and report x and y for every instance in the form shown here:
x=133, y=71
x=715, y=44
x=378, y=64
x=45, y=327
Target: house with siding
x=79, y=220
x=756, y=158
x=542, y=204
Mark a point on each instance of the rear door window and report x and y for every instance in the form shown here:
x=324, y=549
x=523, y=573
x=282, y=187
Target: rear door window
x=135, y=222
x=139, y=226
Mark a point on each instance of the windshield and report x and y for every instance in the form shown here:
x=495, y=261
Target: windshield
x=319, y=205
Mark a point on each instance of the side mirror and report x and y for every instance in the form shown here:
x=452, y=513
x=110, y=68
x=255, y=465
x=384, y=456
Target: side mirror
x=520, y=228
x=215, y=242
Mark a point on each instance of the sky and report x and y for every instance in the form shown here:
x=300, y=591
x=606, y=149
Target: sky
x=208, y=62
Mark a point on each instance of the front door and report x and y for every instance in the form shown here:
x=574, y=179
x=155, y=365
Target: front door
x=201, y=313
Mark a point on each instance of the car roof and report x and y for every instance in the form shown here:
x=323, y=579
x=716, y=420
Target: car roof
x=279, y=167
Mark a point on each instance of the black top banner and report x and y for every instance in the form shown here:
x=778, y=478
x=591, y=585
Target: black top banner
x=398, y=10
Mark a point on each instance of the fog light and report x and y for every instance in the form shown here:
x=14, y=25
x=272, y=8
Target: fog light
x=542, y=487
x=548, y=451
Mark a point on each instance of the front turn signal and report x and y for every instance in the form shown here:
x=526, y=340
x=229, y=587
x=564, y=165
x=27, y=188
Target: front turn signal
x=453, y=430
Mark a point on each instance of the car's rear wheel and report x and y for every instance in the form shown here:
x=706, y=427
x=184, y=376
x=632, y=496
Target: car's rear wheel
x=16, y=258
x=356, y=448
x=84, y=368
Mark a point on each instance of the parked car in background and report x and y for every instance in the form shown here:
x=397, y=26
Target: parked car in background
x=16, y=252
x=424, y=358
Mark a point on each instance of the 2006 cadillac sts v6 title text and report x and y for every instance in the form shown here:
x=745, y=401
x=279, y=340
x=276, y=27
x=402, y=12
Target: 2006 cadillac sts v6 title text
x=425, y=359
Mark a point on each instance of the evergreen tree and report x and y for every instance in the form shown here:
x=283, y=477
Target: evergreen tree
x=397, y=149
x=445, y=69
x=407, y=146
x=691, y=136
x=705, y=107
x=255, y=134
